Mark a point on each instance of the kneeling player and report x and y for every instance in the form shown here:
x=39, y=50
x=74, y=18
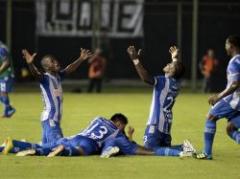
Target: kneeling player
x=166, y=89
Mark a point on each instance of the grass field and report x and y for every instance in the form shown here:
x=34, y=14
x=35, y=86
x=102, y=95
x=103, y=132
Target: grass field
x=189, y=116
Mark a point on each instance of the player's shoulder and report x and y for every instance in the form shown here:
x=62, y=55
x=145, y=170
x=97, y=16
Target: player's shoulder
x=235, y=60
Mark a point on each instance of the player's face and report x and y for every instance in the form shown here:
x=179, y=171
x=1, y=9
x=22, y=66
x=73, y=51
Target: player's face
x=228, y=47
x=169, y=68
x=120, y=125
x=52, y=64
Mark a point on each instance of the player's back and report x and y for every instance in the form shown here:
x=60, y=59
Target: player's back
x=165, y=91
x=99, y=130
x=52, y=97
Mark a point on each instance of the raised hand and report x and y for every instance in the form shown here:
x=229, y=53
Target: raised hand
x=130, y=131
x=132, y=52
x=27, y=56
x=174, y=51
x=85, y=54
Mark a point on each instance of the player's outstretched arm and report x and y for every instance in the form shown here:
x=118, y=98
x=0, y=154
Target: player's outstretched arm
x=29, y=59
x=174, y=51
x=227, y=91
x=134, y=56
x=84, y=55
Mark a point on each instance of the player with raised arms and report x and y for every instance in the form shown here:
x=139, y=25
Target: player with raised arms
x=51, y=88
x=165, y=90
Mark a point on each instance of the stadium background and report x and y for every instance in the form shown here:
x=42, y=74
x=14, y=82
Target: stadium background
x=216, y=20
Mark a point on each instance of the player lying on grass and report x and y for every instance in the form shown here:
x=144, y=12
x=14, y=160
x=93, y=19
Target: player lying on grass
x=226, y=104
x=126, y=146
x=51, y=88
x=166, y=89
x=87, y=142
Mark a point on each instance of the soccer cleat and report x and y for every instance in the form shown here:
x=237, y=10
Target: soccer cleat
x=56, y=151
x=9, y=113
x=8, y=147
x=203, y=156
x=26, y=153
x=185, y=154
x=109, y=152
x=4, y=143
x=188, y=147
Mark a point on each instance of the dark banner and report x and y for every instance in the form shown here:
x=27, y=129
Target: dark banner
x=75, y=18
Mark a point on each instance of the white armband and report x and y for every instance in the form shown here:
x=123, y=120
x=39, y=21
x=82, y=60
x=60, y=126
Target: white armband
x=135, y=61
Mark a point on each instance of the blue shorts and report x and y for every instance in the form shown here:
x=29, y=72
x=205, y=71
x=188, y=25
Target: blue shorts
x=223, y=110
x=51, y=132
x=153, y=138
x=6, y=85
x=88, y=146
x=126, y=146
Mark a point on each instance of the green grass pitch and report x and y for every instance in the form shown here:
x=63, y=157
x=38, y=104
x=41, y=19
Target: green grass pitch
x=189, y=116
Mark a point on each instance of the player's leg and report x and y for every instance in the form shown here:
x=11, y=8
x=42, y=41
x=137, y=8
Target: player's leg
x=91, y=85
x=98, y=85
x=219, y=110
x=233, y=129
x=110, y=148
x=14, y=146
x=5, y=88
x=52, y=132
x=124, y=146
x=151, y=137
x=76, y=146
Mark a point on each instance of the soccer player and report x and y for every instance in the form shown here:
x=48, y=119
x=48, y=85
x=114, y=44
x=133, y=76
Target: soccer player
x=166, y=89
x=6, y=81
x=51, y=88
x=87, y=142
x=226, y=104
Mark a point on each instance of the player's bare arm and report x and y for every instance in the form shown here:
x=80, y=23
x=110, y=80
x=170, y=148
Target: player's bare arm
x=130, y=133
x=174, y=51
x=84, y=55
x=29, y=59
x=227, y=91
x=142, y=72
x=5, y=65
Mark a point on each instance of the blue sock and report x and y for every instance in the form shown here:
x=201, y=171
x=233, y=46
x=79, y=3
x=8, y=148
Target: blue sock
x=42, y=150
x=70, y=151
x=235, y=135
x=1, y=149
x=177, y=147
x=209, y=133
x=20, y=146
x=6, y=103
x=166, y=151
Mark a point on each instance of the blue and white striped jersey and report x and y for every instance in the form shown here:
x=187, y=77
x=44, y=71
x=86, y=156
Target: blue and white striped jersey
x=100, y=129
x=233, y=75
x=164, y=93
x=52, y=96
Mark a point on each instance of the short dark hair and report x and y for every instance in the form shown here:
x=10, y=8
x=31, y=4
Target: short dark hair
x=234, y=40
x=180, y=70
x=119, y=117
